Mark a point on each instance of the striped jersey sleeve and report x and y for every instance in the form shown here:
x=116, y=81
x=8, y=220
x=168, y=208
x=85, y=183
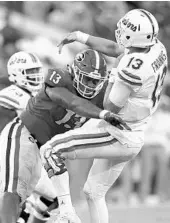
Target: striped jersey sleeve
x=129, y=78
x=129, y=71
x=13, y=97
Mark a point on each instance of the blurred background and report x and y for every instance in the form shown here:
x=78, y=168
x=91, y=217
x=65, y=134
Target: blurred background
x=143, y=190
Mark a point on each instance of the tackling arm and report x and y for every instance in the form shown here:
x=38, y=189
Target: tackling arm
x=82, y=106
x=72, y=102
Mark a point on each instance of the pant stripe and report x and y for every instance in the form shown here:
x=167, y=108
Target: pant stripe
x=88, y=145
x=8, y=152
x=54, y=141
x=16, y=159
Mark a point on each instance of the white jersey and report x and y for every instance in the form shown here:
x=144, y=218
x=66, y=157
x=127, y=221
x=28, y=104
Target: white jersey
x=13, y=97
x=144, y=73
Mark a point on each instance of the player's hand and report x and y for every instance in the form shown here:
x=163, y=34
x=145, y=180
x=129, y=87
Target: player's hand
x=116, y=121
x=52, y=162
x=71, y=37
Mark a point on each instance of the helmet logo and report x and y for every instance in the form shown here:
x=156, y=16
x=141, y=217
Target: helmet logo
x=129, y=25
x=17, y=60
x=80, y=57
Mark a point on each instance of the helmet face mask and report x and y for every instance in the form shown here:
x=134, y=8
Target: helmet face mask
x=25, y=70
x=89, y=68
x=138, y=28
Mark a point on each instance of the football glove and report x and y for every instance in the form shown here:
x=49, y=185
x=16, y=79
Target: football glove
x=53, y=163
x=115, y=120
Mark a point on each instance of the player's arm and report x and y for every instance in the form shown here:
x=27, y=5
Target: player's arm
x=60, y=90
x=116, y=96
x=105, y=46
x=68, y=100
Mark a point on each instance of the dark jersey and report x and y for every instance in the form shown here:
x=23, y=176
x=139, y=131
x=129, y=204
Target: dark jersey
x=44, y=118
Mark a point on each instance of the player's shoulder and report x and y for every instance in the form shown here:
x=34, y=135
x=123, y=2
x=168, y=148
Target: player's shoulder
x=58, y=77
x=12, y=97
x=130, y=68
x=13, y=90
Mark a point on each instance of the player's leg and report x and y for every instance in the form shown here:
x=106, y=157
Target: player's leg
x=101, y=177
x=97, y=140
x=60, y=183
x=9, y=207
x=53, y=186
x=77, y=180
x=19, y=163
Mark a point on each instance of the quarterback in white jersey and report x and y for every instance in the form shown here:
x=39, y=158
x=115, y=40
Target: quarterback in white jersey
x=133, y=93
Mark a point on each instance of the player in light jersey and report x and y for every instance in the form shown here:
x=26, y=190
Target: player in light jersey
x=45, y=116
x=17, y=89
x=133, y=94
x=25, y=78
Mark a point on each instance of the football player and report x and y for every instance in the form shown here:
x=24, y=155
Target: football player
x=25, y=78
x=47, y=114
x=134, y=95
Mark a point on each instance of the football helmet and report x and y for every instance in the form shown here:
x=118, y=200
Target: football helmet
x=25, y=70
x=90, y=73
x=138, y=28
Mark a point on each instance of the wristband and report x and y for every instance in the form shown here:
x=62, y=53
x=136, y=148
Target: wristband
x=82, y=37
x=103, y=113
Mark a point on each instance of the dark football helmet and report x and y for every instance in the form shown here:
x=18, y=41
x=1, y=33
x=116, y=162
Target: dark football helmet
x=90, y=73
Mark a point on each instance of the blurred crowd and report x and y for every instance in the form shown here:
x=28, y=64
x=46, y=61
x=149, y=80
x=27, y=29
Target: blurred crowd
x=38, y=27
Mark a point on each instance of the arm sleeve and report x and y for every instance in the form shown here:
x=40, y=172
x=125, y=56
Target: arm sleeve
x=130, y=73
x=127, y=80
x=105, y=46
x=119, y=93
x=8, y=99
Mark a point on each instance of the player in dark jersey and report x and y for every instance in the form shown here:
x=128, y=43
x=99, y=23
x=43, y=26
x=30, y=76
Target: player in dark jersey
x=21, y=137
x=53, y=119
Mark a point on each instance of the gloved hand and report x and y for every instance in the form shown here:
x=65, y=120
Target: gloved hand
x=53, y=163
x=114, y=120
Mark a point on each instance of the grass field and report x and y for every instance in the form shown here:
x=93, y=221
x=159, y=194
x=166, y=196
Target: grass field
x=139, y=214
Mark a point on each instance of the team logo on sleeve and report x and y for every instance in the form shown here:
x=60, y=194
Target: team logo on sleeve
x=80, y=57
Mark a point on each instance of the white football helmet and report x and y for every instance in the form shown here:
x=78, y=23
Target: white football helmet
x=25, y=70
x=138, y=28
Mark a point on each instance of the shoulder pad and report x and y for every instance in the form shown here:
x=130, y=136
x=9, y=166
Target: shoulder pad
x=129, y=69
x=58, y=78
x=13, y=97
